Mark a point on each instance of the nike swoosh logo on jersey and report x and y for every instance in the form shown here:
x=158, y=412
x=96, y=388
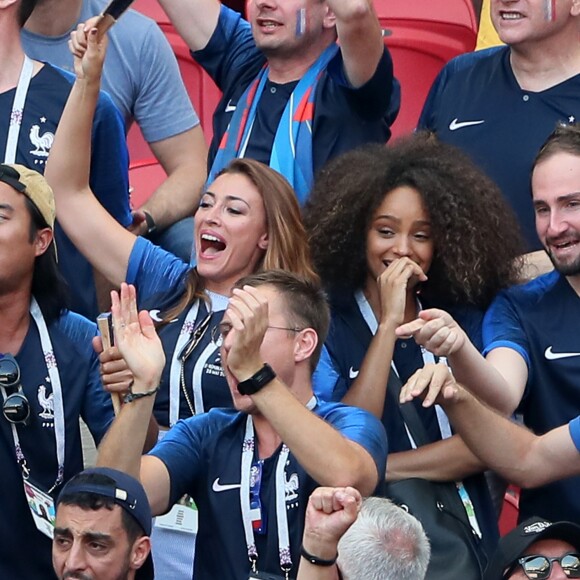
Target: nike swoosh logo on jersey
x=456, y=124
x=156, y=316
x=217, y=486
x=229, y=107
x=550, y=355
x=352, y=374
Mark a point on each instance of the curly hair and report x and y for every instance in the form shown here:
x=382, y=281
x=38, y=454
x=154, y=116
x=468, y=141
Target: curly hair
x=476, y=237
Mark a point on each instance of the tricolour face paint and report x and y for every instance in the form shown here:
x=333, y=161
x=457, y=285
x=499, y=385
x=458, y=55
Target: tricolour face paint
x=550, y=10
x=300, y=22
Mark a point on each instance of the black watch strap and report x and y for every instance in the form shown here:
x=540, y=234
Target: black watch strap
x=151, y=225
x=315, y=560
x=257, y=381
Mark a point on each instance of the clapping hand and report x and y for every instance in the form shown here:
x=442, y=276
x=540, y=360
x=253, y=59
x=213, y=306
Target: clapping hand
x=136, y=339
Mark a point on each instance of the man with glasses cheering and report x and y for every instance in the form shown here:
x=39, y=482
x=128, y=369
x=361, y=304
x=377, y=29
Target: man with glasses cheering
x=48, y=375
x=537, y=550
x=250, y=469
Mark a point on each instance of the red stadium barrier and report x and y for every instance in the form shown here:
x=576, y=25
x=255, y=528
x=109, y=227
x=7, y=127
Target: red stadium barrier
x=508, y=518
x=145, y=176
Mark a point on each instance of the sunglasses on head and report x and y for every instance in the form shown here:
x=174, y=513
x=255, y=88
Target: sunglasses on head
x=16, y=408
x=538, y=567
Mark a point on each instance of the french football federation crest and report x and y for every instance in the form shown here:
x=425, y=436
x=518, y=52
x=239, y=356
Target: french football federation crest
x=47, y=404
x=42, y=142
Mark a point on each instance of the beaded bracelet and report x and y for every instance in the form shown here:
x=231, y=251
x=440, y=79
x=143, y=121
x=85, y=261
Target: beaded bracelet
x=131, y=396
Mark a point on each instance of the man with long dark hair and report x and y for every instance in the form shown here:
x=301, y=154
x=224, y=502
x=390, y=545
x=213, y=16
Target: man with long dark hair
x=48, y=375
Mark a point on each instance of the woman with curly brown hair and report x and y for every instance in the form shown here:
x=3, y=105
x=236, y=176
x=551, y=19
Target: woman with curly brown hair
x=394, y=230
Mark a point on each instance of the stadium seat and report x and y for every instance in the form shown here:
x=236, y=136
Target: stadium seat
x=145, y=173
x=422, y=36
x=145, y=176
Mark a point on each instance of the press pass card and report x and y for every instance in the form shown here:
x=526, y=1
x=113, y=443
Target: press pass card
x=42, y=509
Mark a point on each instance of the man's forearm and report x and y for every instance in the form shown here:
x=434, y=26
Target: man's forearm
x=514, y=452
x=175, y=199
x=333, y=460
x=123, y=444
x=360, y=38
x=447, y=460
x=482, y=379
x=184, y=159
x=308, y=571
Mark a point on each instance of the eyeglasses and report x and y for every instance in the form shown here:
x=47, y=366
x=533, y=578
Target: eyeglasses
x=219, y=332
x=538, y=567
x=16, y=408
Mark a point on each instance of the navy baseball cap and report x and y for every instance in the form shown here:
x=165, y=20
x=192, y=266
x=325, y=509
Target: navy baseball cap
x=126, y=492
x=513, y=545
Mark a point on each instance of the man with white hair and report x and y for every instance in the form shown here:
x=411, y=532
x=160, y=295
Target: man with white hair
x=372, y=539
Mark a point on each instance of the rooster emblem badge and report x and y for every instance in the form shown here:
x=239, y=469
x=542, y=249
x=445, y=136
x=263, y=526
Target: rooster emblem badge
x=46, y=402
x=42, y=143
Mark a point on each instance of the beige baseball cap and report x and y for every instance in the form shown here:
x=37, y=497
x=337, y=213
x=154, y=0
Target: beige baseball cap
x=34, y=186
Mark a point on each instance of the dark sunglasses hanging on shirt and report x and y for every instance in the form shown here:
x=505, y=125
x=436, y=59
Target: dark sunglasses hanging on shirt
x=15, y=408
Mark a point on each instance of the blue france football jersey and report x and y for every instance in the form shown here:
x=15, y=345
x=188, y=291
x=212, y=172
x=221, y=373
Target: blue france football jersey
x=344, y=118
x=206, y=449
x=47, y=95
x=343, y=354
x=26, y=553
x=159, y=278
x=477, y=104
x=539, y=320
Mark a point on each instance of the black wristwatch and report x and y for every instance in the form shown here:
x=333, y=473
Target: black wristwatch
x=151, y=225
x=257, y=381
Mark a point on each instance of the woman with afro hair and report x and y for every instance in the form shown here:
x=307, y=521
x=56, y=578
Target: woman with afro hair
x=394, y=230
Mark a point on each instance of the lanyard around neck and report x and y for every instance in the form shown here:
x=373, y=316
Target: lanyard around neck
x=281, y=517
x=442, y=419
x=281, y=512
x=57, y=400
x=176, y=369
x=428, y=358
x=17, y=112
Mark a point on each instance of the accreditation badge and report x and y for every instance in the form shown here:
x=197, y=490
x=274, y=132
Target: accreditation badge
x=41, y=507
x=182, y=517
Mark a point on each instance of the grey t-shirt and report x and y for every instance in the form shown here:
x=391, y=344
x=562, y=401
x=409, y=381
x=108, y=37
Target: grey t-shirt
x=140, y=73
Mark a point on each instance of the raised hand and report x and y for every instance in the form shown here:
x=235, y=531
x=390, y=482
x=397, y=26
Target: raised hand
x=246, y=320
x=136, y=339
x=88, y=50
x=435, y=330
x=329, y=514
